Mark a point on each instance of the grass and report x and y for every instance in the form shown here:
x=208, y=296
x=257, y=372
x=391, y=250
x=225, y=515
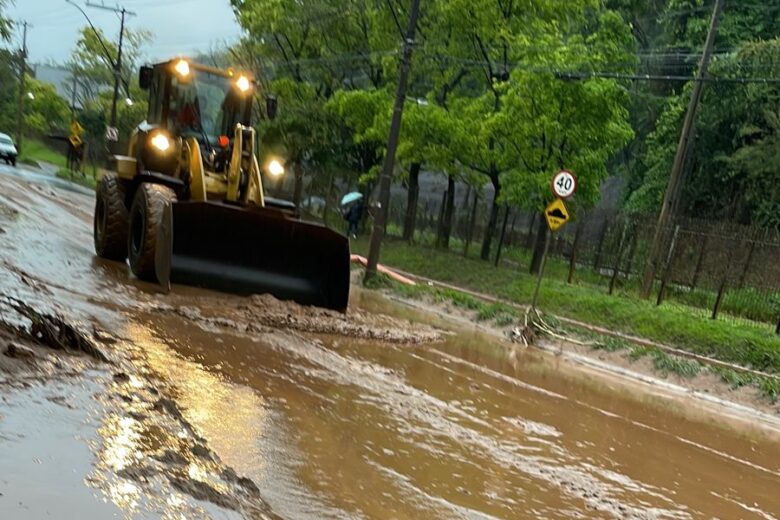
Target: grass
x=665, y=363
x=677, y=325
x=34, y=151
x=82, y=178
x=746, y=303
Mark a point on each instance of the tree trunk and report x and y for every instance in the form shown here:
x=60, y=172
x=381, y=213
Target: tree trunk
x=413, y=195
x=326, y=206
x=541, y=240
x=502, y=236
x=493, y=219
x=472, y=223
x=463, y=220
x=529, y=237
x=445, y=228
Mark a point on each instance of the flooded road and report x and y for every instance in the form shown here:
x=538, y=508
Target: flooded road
x=325, y=422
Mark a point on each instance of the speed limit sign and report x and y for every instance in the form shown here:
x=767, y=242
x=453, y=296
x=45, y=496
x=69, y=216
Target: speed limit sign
x=564, y=184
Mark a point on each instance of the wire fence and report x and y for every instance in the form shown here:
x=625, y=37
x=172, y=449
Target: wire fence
x=710, y=268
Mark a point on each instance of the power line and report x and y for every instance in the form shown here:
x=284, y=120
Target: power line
x=661, y=77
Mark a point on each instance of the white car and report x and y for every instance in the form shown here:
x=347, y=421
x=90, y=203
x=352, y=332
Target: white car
x=7, y=149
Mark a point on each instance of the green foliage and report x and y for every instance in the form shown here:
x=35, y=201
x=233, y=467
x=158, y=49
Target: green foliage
x=48, y=112
x=35, y=151
x=610, y=344
x=8, y=91
x=737, y=140
x=669, y=364
x=5, y=25
x=91, y=64
x=83, y=179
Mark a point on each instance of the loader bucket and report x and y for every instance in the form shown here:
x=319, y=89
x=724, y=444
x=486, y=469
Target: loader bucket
x=252, y=250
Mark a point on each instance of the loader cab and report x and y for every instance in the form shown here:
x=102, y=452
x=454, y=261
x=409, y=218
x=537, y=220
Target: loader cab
x=192, y=100
x=189, y=97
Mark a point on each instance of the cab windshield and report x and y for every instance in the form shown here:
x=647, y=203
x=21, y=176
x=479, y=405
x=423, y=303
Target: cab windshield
x=207, y=105
x=6, y=141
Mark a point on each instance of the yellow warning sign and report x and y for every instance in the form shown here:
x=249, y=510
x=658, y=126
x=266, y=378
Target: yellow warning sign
x=556, y=214
x=75, y=140
x=76, y=128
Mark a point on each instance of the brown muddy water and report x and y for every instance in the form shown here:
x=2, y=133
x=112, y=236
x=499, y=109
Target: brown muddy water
x=327, y=425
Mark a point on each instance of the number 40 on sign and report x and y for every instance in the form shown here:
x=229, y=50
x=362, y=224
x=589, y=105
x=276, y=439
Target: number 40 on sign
x=564, y=184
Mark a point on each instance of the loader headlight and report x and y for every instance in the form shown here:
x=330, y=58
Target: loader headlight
x=161, y=142
x=182, y=68
x=275, y=168
x=243, y=83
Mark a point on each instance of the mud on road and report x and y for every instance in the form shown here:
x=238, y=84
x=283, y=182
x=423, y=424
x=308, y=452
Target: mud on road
x=130, y=403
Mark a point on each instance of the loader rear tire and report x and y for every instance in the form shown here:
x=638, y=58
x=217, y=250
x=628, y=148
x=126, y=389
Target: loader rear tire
x=110, y=220
x=146, y=214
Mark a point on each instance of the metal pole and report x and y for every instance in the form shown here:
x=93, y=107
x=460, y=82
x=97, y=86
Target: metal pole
x=118, y=68
x=392, y=144
x=675, y=185
x=541, y=271
x=22, y=93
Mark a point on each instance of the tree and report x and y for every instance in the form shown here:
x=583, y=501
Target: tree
x=730, y=116
x=491, y=39
x=47, y=112
x=725, y=174
x=92, y=65
x=310, y=52
x=5, y=23
x=547, y=124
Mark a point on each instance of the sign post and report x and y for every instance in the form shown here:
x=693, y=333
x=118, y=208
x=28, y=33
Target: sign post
x=564, y=185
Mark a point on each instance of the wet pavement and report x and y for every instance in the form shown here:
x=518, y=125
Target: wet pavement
x=209, y=409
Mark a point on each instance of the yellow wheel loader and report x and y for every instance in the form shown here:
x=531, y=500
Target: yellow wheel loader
x=186, y=204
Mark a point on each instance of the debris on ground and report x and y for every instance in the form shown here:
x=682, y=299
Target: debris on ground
x=50, y=330
x=264, y=313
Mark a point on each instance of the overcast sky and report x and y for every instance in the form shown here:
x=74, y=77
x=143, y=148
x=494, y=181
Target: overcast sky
x=178, y=26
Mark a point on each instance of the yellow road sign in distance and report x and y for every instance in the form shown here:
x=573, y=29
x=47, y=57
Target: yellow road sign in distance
x=76, y=128
x=556, y=214
x=75, y=140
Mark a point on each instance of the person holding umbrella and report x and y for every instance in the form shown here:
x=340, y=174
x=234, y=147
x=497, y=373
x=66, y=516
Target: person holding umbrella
x=353, y=212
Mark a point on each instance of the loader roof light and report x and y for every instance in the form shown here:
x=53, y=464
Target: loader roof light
x=243, y=83
x=182, y=68
x=275, y=168
x=161, y=142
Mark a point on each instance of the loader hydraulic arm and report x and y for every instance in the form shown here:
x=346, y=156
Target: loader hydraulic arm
x=245, y=184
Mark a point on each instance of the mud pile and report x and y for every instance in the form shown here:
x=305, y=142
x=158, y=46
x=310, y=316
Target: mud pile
x=264, y=313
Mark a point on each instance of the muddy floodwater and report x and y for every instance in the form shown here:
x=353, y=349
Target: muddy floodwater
x=295, y=414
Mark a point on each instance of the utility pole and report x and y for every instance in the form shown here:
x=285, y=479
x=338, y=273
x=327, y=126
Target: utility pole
x=392, y=144
x=118, y=62
x=73, y=98
x=22, y=93
x=675, y=178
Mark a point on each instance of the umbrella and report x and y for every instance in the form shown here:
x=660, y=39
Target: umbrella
x=350, y=198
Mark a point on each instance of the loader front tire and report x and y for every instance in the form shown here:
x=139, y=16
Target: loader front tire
x=146, y=213
x=110, y=220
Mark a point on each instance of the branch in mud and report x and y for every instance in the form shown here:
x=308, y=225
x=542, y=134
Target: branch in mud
x=51, y=330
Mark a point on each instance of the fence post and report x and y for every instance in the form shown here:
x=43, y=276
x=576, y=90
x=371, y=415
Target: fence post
x=747, y=263
x=719, y=299
x=603, y=234
x=632, y=251
x=668, y=267
x=616, y=268
x=700, y=261
x=575, y=245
